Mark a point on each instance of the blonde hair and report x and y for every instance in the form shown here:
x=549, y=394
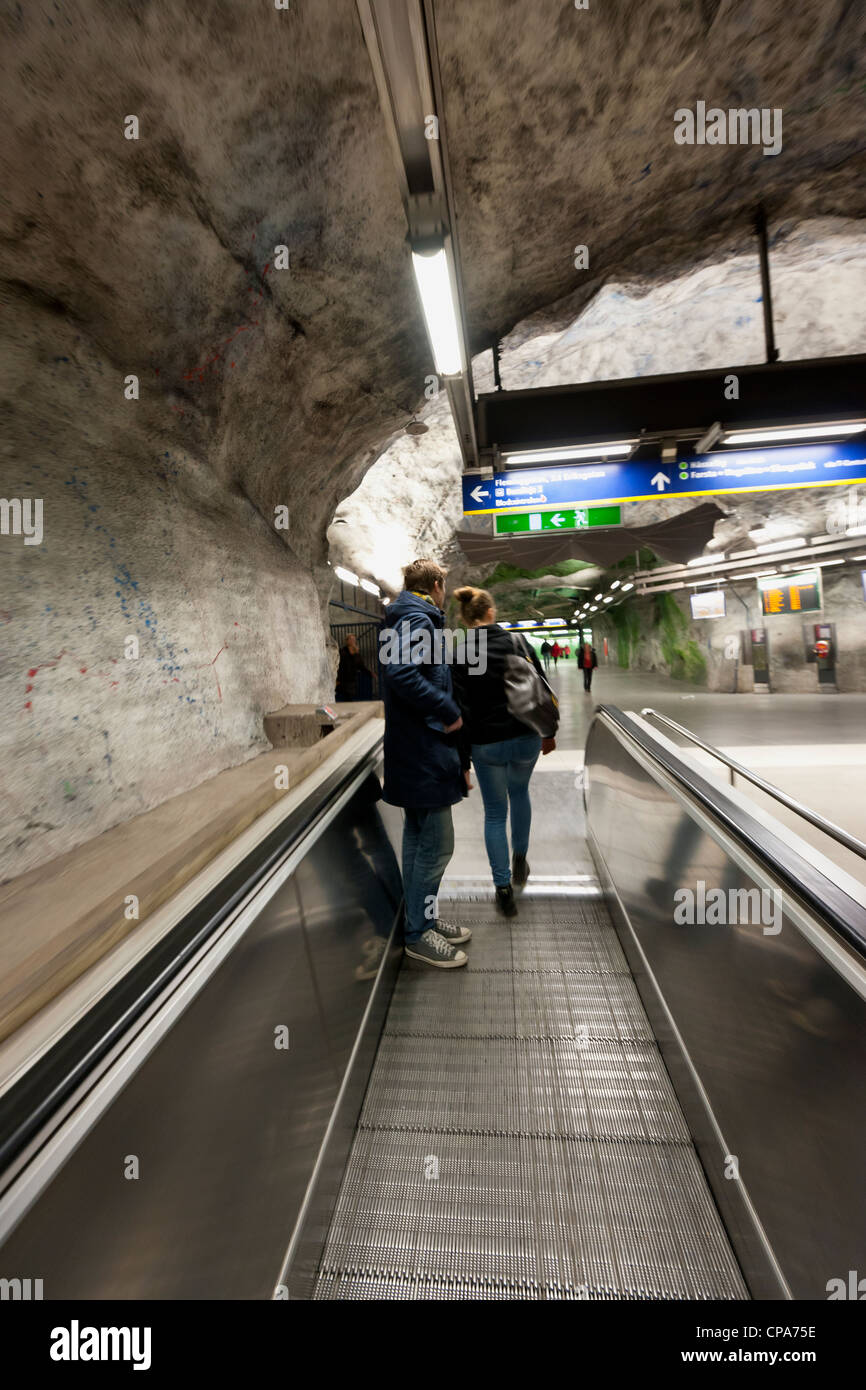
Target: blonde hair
x=475, y=604
x=422, y=575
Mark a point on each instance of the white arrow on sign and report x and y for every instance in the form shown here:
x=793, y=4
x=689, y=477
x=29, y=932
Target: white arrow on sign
x=557, y=520
x=659, y=481
x=479, y=493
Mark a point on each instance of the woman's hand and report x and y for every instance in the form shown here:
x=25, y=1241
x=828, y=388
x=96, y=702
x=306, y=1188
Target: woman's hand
x=547, y=745
x=468, y=775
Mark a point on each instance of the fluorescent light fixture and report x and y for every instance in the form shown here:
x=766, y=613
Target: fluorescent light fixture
x=627, y=586
x=742, y=554
x=761, y=574
x=619, y=449
x=783, y=432
x=781, y=545
x=707, y=560
x=856, y=531
x=346, y=576
x=370, y=587
x=773, y=531
x=608, y=597
x=597, y=597
x=527, y=622
x=594, y=608
x=615, y=584
x=822, y=564
x=437, y=301
x=503, y=625
x=554, y=622
x=699, y=583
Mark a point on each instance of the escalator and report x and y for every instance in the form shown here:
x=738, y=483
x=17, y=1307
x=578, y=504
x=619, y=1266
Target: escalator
x=606, y=1103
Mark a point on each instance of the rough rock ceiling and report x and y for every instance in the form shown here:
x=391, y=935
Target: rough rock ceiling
x=560, y=128
x=261, y=127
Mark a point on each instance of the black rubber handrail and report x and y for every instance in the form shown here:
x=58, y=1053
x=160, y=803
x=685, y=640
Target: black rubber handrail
x=28, y=1104
x=830, y=903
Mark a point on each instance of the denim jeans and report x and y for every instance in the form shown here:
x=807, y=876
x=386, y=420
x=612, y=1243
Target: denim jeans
x=503, y=771
x=428, y=844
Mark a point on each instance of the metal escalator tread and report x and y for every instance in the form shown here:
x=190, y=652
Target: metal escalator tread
x=531, y=1083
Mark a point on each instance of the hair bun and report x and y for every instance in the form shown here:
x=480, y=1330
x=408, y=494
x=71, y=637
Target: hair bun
x=465, y=593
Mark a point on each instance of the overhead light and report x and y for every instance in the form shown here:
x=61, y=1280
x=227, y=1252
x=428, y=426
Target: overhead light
x=783, y=432
x=554, y=622
x=856, y=531
x=346, y=576
x=761, y=574
x=527, y=622
x=503, y=625
x=438, y=303
x=773, y=531
x=712, y=436
x=858, y=557
x=700, y=583
x=708, y=559
x=627, y=586
x=594, y=608
x=370, y=587
x=742, y=554
x=780, y=545
x=822, y=564
x=620, y=448
x=597, y=597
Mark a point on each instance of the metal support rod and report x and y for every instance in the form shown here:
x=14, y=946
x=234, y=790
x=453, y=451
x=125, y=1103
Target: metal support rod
x=766, y=296
x=497, y=379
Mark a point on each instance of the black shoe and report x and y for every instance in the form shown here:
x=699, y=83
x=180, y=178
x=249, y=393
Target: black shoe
x=519, y=870
x=505, y=901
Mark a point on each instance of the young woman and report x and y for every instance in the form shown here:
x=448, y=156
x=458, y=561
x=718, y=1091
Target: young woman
x=503, y=750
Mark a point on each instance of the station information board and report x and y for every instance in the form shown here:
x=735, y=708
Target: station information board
x=791, y=593
x=703, y=475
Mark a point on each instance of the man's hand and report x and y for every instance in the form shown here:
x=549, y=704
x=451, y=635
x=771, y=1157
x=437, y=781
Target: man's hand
x=468, y=775
x=547, y=745
x=458, y=724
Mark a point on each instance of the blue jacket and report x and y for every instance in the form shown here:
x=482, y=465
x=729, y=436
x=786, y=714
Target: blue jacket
x=422, y=764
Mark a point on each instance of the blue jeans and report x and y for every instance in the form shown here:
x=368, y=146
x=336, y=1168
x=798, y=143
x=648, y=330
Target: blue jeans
x=503, y=770
x=428, y=844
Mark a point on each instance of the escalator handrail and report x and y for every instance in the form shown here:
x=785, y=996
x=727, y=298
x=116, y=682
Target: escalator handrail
x=830, y=903
x=31, y=1101
x=829, y=828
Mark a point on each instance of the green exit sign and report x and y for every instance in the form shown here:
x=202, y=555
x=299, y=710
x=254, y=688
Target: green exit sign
x=565, y=519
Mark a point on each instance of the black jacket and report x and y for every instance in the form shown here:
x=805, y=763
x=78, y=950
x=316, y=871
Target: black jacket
x=482, y=700
x=422, y=763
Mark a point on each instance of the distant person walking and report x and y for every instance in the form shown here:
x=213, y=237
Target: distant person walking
x=556, y=653
x=351, y=670
x=545, y=654
x=504, y=750
x=588, y=662
x=423, y=771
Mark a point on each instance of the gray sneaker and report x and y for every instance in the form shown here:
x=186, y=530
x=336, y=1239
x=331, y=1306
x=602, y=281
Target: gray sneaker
x=452, y=932
x=433, y=949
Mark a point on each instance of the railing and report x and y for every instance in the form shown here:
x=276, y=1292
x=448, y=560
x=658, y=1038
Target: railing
x=834, y=831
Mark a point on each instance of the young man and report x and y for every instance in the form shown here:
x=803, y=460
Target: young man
x=422, y=764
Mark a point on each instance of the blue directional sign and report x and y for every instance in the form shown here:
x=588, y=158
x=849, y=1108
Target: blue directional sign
x=707, y=475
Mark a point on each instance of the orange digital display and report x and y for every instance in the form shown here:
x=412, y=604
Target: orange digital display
x=798, y=594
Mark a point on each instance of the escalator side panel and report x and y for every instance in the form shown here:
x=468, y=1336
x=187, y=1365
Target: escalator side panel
x=775, y=1036
x=227, y=1127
